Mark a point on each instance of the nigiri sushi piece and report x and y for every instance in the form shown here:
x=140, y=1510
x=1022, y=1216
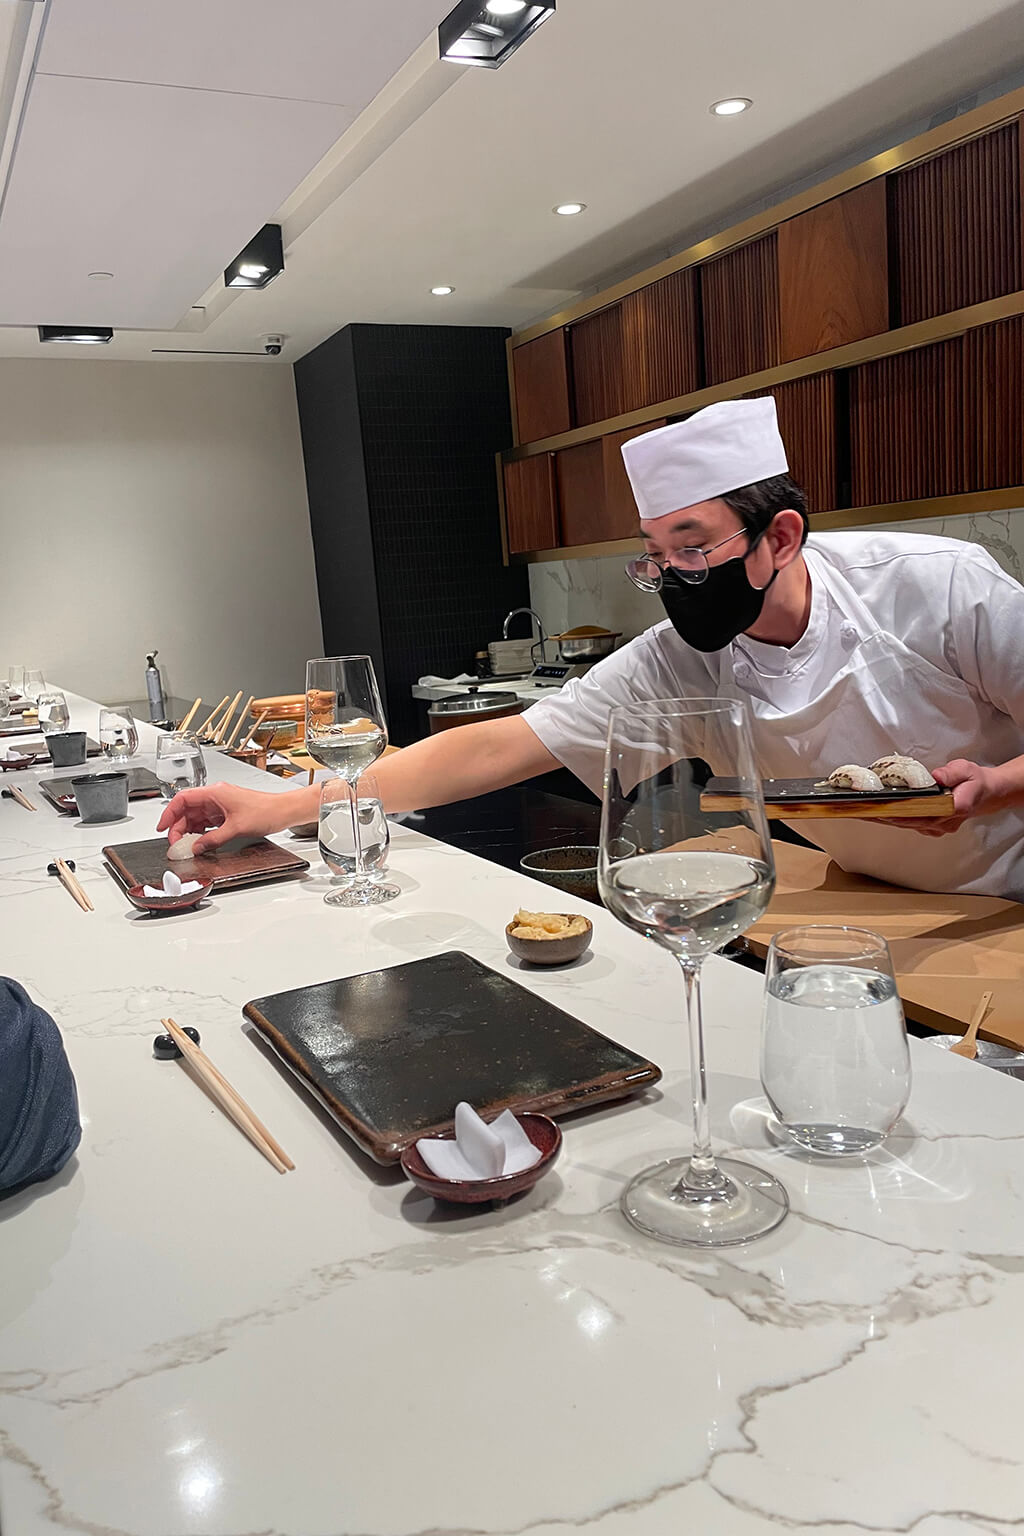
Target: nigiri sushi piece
x=852, y=776
x=182, y=849
x=899, y=772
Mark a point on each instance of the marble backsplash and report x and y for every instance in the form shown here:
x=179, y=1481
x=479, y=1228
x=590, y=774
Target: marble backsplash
x=570, y=592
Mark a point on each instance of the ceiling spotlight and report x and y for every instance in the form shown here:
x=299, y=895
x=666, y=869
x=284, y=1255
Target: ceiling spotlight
x=442, y=291
x=489, y=34
x=568, y=209
x=85, y=335
x=101, y=277
x=259, y=263
x=731, y=106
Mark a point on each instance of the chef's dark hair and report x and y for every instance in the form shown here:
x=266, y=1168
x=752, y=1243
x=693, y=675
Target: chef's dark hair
x=755, y=505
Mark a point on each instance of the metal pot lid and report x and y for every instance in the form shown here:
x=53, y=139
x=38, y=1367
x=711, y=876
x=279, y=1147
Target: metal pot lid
x=472, y=703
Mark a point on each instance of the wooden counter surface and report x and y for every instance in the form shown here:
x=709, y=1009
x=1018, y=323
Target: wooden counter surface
x=947, y=949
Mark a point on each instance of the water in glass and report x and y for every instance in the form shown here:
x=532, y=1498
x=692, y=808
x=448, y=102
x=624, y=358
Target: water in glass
x=53, y=712
x=119, y=736
x=336, y=846
x=179, y=763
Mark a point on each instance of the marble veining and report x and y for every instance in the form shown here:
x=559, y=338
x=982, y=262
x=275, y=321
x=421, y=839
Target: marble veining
x=190, y=1343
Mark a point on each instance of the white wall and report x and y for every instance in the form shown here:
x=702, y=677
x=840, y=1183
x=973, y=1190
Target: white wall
x=570, y=592
x=154, y=504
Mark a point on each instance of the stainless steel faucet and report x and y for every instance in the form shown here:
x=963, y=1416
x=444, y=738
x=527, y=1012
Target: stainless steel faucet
x=541, y=637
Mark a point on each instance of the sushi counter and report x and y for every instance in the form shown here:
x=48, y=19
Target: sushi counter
x=192, y=1343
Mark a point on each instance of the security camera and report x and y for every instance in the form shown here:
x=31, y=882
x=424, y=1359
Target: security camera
x=272, y=345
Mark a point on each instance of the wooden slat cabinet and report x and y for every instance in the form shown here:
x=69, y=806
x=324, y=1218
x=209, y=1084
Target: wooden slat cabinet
x=531, y=503
x=740, y=298
x=595, y=347
x=834, y=273
x=806, y=410
x=660, y=347
x=540, y=372
x=621, y=516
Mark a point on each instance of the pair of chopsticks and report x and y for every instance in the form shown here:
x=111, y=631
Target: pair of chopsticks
x=16, y=794
x=70, y=883
x=968, y=1045
x=191, y=715
x=242, y=714
x=230, y=1101
x=244, y=744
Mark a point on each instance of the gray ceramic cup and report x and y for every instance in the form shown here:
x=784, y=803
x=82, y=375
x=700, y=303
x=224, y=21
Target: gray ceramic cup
x=101, y=796
x=67, y=748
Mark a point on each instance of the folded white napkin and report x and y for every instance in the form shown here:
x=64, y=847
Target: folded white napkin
x=480, y=1151
x=447, y=682
x=172, y=886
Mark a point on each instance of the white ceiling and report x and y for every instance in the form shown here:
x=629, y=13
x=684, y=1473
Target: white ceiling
x=450, y=175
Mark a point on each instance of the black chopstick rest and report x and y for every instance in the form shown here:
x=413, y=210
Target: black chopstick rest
x=51, y=869
x=164, y=1048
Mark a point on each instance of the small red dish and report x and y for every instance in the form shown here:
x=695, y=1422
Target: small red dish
x=542, y=1131
x=168, y=904
x=15, y=764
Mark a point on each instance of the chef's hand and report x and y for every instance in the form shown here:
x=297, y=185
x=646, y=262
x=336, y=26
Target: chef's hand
x=228, y=811
x=977, y=791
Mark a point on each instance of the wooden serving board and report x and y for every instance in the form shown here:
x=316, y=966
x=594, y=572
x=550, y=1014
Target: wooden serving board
x=390, y=1053
x=242, y=861
x=796, y=799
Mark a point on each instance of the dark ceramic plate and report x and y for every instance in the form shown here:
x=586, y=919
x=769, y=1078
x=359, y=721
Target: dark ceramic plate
x=544, y=1133
x=168, y=904
x=143, y=784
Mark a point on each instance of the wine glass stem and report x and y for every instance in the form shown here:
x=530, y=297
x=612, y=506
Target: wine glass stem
x=702, y=1175
x=357, y=843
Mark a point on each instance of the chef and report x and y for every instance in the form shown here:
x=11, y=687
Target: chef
x=845, y=647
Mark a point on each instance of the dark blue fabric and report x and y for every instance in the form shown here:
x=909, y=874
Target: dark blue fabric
x=39, y=1125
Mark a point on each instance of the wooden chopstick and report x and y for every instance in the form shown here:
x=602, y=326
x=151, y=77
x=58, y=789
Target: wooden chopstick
x=229, y=743
x=68, y=881
x=204, y=728
x=230, y=711
x=229, y=1099
x=16, y=794
x=191, y=714
x=255, y=728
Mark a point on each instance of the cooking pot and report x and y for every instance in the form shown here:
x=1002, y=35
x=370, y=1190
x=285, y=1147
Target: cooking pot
x=466, y=708
x=586, y=645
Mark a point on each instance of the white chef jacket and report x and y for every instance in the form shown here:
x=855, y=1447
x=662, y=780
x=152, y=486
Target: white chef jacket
x=914, y=644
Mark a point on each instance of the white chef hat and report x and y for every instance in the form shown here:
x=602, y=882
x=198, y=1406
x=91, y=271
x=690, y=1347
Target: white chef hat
x=718, y=449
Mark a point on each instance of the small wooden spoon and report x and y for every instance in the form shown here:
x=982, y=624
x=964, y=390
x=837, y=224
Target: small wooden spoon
x=968, y=1046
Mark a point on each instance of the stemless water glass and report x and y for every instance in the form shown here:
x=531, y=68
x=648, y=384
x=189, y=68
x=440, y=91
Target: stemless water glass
x=834, y=1057
x=695, y=879
x=345, y=731
x=34, y=683
x=16, y=681
x=336, y=846
x=53, y=711
x=179, y=763
x=119, y=736
x=5, y=700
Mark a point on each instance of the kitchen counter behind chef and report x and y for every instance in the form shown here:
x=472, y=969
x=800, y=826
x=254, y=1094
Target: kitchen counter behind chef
x=845, y=647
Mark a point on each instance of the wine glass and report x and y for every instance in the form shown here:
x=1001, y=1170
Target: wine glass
x=16, y=682
x=179, y=763
x=696, y=879
x=345, y=731
x=53, y=711
x=119, y=735
x=335, y=832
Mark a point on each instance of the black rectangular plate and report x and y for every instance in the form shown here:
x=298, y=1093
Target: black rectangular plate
x=778, y=791
x=390, y=1053
x=143, y=784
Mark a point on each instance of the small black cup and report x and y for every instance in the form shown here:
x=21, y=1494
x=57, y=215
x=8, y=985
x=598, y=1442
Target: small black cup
x=67, y=748
x=101, y=796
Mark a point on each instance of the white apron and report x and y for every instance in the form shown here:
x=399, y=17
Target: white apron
x=888, y=699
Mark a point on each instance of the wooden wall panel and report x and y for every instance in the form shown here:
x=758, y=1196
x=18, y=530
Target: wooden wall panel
x=660, y=354
x=834, y=273
x=955, y=227
x=541, y=374
x=906, y=426
x=807, y=420
x=581, y=493
x=993, y=364
x=740, y=298
x=595, y=346
x=531, y=503
x=621, y=512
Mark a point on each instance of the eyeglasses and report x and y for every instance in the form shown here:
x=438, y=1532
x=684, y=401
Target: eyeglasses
x=690, y=565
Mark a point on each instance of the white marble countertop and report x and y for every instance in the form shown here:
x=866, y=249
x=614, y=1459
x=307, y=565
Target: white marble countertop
x=190, y=1343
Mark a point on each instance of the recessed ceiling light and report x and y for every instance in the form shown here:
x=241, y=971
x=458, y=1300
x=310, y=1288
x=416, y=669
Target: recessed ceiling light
x=101, y=277
x=568, y=209
x=442, y=291
x=731, y=106
x=506, y=7
x=260, y=262
x=489, y=33
x=85, y=335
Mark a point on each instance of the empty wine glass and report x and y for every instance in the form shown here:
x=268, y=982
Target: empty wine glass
x=119, y=735
x=695, y=880
x=16, y=681
x=336, y=846
x=179, y=763
x=345, y=731
x=53, y=711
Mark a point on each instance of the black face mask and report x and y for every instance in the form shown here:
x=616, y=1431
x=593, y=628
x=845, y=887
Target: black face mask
x=710, y=614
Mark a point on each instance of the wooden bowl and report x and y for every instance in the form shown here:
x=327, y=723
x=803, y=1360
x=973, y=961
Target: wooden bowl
x=551, y=951
x=168, y=904
x=544, y=1133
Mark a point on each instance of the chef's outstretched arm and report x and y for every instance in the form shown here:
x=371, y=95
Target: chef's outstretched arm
x=453, y=765
x=977, y=791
